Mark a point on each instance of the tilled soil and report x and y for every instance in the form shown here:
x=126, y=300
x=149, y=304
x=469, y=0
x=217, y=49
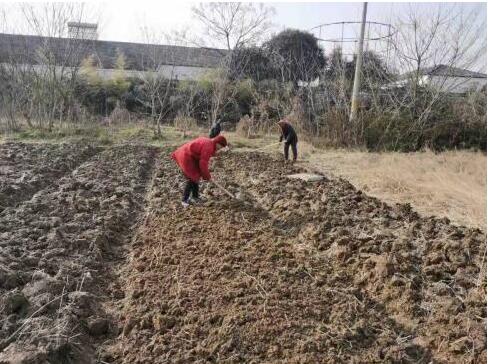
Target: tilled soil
x=299, y=272
x=58, y=248
x=40, y=166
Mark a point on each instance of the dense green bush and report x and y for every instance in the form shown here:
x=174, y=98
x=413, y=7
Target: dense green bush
x=297, y=55
x=401, y=133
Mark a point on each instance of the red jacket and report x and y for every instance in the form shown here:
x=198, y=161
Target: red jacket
x=193, y=158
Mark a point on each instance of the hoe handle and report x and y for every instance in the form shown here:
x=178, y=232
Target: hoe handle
x=269, y=145
x=223, y=189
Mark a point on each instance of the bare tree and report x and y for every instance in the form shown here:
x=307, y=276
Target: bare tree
x=449, y=37
x=233, y=25
x=437, y=43
x=47, y=64
x=59, y=56
x=159, y=74
x=15, y=73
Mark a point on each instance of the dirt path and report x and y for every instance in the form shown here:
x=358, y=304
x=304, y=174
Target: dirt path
x=305, y=273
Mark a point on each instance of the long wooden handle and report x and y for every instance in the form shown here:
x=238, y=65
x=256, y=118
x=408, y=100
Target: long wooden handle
x=269, y=145
x=223, y=189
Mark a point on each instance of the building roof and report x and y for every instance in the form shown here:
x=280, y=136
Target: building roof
x=32, y=49
x=82, y=25
x=443, y=70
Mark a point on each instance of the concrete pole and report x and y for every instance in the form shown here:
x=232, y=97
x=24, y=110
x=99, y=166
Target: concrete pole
x=357, y=73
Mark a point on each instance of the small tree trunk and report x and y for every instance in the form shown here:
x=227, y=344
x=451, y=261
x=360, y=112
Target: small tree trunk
x=29, y=113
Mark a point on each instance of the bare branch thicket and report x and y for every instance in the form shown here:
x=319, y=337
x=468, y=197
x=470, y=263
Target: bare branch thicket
x=449, y=37
x=320, y=104
x=58, y=61
x=11, y=72
x=233, y=25
x=188, y=94
x=159, y=61
x=44, y=78
x=224, y=89
x=15, y=72
x=400, y=91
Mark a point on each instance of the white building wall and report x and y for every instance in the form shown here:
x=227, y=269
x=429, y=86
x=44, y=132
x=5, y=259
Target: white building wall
x=444, y=84
x=455, y=84
x=174, y=72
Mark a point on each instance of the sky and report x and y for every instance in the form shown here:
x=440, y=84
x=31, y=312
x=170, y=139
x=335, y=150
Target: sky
x=122, y=20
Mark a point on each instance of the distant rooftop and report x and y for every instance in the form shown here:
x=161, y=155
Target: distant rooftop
x=82, y=25
x=25, y=49
x=443, y=70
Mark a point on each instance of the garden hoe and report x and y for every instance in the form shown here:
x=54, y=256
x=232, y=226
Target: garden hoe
x=222, y=188
x=267, y=146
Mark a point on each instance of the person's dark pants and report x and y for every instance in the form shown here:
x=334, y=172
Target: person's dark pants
x=293, y=144
x=190, y=188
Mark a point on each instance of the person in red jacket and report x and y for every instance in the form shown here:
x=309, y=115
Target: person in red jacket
x=193, y=158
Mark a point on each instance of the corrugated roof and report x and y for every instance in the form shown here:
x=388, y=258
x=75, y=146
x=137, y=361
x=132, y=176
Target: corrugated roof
x=443, y=70
x=28, y=49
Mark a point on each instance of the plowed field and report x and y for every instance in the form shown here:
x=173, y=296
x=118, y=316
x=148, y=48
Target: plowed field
x=100, y=263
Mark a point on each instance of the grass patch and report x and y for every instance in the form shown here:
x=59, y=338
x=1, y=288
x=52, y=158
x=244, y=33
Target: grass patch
x=140, y=133
x=95, y=134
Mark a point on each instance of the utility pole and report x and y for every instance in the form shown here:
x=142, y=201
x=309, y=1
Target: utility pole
x=357, y=73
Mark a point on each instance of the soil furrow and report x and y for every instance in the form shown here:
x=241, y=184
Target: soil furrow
x=55, y=252
x=40, y=165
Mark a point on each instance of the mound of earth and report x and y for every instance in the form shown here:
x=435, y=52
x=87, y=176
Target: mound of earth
x=295, y=271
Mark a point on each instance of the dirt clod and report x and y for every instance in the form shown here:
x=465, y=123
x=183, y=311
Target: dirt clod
x=59, y=243
x=98, y=326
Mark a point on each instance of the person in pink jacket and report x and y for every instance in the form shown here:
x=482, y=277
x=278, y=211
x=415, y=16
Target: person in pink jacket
x=193, y=159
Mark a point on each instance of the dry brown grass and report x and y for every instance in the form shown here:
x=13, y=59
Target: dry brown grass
x=244, y=127
x=450, y=184
x=185, y=124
